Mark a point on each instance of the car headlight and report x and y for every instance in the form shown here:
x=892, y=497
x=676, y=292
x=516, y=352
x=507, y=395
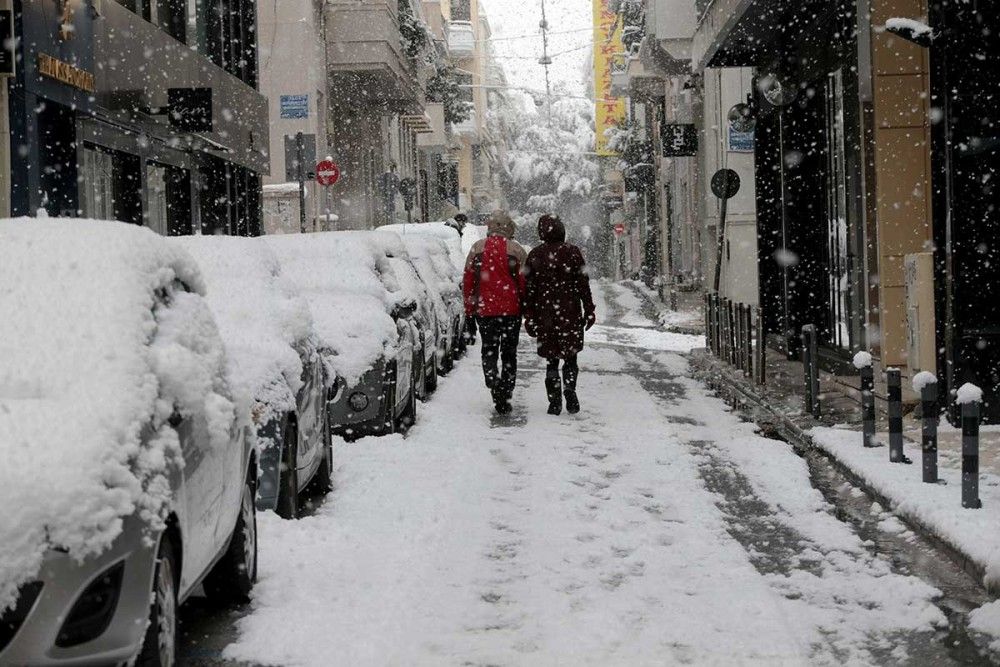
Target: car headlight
x=358, y=401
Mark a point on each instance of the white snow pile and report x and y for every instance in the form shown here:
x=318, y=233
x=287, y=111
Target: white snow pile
x=923, y=379
x=439, y=230
x=91, y=359
x=862, y=360
x=936, y=507
x=264, y=322
x=986, y=620
x=912, y=26
x=339, y=276
x=968, y=393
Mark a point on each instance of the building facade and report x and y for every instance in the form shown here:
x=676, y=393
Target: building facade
x=136, y=111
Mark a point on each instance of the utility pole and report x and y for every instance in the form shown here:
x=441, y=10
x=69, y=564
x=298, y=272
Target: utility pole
x=545, y=61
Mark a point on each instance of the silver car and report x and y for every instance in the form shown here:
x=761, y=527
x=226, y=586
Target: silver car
x=113, y=603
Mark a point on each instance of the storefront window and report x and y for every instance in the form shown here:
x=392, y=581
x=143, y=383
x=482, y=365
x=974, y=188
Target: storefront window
x=837, y=213
x=98, y=184
x=156, y=199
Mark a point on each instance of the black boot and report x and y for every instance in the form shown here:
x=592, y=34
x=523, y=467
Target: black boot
x=569, y=389
x=553, y=389
x=501, y=401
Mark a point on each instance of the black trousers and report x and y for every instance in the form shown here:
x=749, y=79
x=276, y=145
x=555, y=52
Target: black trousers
x=500, y=335
x=570, y=371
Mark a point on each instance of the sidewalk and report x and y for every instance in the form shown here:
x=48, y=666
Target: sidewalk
x=934, y=510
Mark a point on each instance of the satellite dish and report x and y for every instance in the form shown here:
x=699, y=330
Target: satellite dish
x=742, y=118
x=776, y=91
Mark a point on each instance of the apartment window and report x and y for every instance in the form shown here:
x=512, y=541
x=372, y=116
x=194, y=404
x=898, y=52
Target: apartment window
x=461, y=10
x=170, y=15
x=226, y=32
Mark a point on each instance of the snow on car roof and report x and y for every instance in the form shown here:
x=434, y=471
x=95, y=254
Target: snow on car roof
x=449, y=235
x=87, y=367
x=337, y=273
x=264, y=321
x=434, y=271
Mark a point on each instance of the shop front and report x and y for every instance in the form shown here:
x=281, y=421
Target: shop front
x=129, y=116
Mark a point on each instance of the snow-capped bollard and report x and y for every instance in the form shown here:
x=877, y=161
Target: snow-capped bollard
x=925, y=384
x=970, y=397
x=863, y=362
x=894, y=384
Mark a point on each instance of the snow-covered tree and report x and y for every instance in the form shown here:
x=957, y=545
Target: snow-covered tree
x=550, y=165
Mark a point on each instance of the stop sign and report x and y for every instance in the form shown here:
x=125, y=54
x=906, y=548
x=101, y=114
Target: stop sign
x=619, y=229
x=327, y=172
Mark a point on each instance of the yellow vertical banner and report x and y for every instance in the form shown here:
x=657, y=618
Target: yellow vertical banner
x=608, y=49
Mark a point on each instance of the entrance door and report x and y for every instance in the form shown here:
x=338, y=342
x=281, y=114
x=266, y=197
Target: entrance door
x=839, y=268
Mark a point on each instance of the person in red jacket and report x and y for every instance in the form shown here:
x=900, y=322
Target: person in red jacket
x=558, y=308
x=493, y=286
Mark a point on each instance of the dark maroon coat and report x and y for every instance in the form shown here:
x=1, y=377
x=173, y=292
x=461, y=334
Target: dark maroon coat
x=557, y=298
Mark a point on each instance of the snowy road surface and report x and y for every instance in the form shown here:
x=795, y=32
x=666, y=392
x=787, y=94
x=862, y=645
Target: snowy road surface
x=652, y=528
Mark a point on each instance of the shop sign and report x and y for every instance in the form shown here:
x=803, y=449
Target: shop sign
x=295, y=106
x=740, y=142
x=65, y=73
x=609, y=110
x=679, y=140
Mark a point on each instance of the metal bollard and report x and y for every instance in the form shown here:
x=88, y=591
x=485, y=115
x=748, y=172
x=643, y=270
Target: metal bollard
x=761, y=349
x=806, y=370
x=863, y=362
x=894, y=384
x=926, y=384
x=810, y=363
x=970, y=397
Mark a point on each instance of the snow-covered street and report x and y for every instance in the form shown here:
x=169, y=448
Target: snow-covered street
x=653, y=528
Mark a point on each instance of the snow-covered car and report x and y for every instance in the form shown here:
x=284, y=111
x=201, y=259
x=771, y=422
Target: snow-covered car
x=274, y=363
x=440, y=251
x=429, y=257
x=400, y=276
x=363, y=329
x=128, y=472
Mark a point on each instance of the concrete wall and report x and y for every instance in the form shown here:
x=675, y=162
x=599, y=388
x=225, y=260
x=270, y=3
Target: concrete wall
x=902, y=166
x=723, y=89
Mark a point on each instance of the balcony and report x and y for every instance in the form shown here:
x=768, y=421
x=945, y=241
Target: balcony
x=365, y=60
x=461, y=39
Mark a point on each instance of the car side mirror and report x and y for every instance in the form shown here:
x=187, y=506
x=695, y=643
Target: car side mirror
x=401, y=311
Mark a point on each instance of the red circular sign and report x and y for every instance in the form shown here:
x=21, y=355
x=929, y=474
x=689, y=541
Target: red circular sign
x=327, y=173
x=619, y=229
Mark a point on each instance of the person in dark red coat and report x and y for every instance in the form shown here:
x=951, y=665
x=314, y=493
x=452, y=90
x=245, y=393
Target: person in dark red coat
x=558, y=308
x=493, y=287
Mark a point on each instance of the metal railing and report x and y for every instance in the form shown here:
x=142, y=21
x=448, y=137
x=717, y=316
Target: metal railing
x=735, y=334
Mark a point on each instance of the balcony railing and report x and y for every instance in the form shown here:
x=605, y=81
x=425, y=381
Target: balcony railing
x=461, y=39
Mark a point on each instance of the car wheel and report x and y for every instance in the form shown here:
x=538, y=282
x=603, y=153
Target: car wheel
x=232, y=578
x=288, y=484
x=409, y=416
x=322, y=483
x=431, y=382
x=159, y=646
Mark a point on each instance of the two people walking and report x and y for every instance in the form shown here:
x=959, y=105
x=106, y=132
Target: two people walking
x=549, y=290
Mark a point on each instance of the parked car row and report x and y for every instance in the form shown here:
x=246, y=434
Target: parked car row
x=156, y=393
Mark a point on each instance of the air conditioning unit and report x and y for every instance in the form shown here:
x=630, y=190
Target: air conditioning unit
x=918, y=270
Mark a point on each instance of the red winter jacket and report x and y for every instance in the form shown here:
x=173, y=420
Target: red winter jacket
x=494, y=279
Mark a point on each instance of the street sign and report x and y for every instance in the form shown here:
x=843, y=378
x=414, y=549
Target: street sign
x=294, y=106
x=619, y=229
x=725, y=183
x=679, y=140
x=327, y=173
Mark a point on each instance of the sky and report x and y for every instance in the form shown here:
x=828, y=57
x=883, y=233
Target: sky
x=518, y=41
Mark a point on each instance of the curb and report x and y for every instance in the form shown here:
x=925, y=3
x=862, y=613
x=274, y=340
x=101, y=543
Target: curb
x=746, y=401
